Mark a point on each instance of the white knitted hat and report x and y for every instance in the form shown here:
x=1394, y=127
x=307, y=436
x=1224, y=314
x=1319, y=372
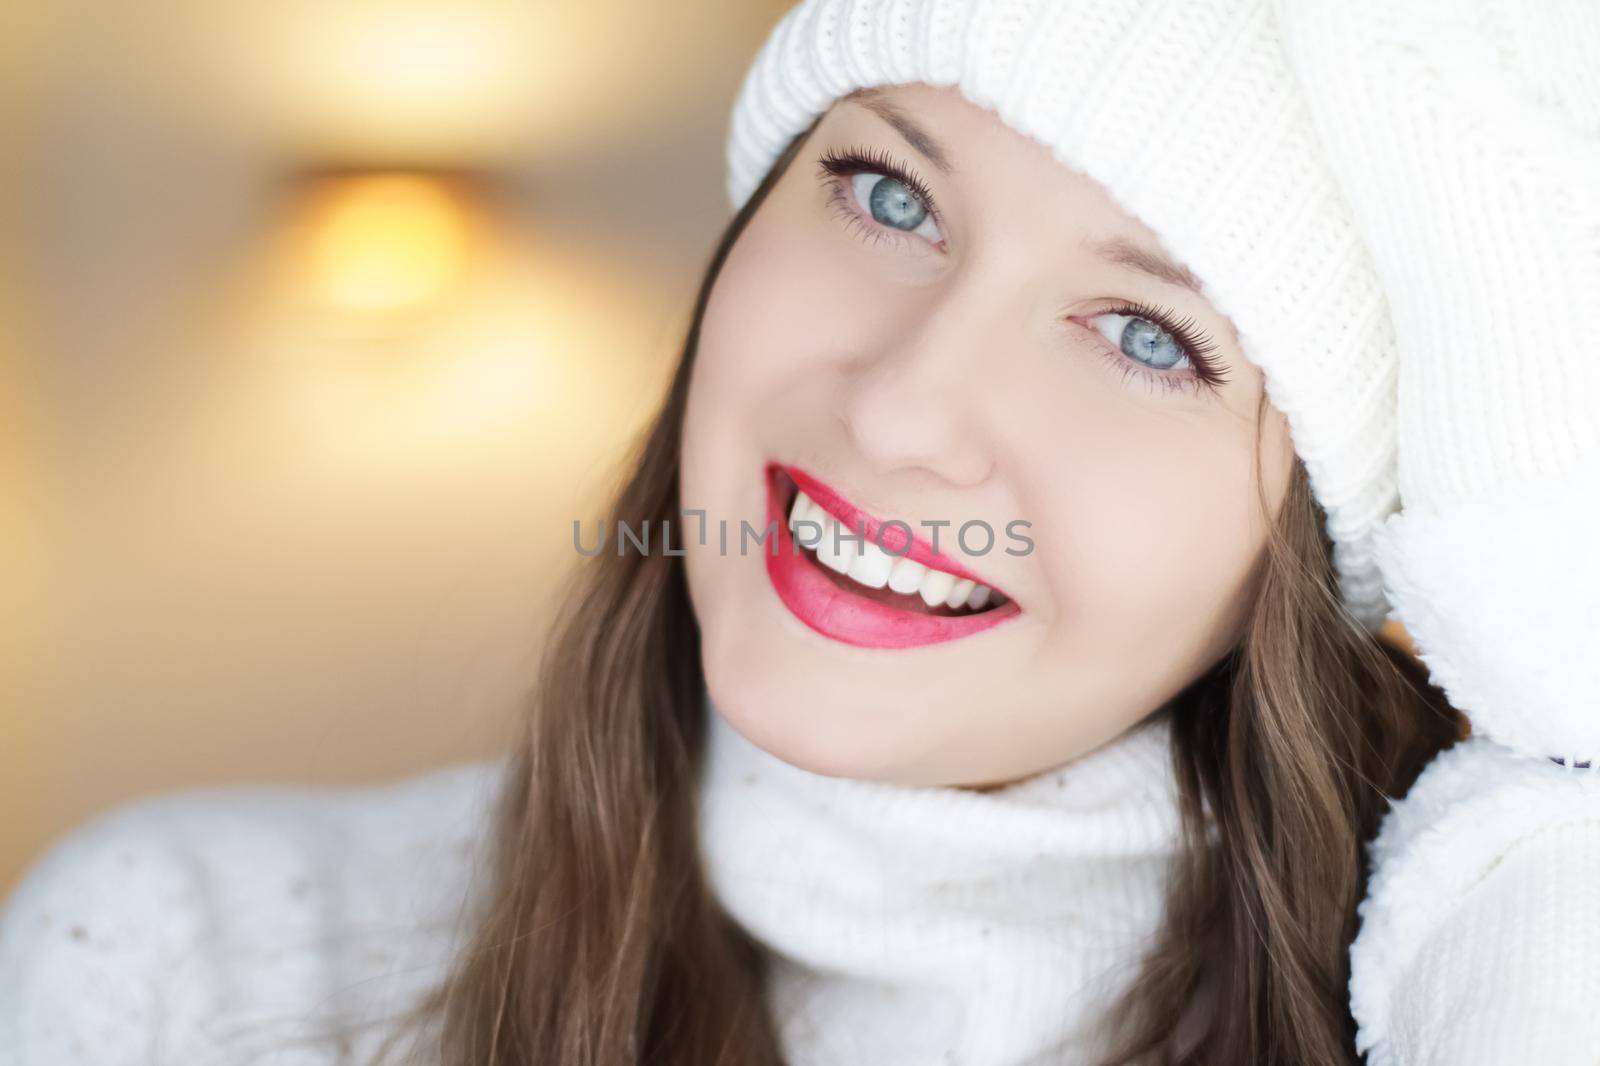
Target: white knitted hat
x=1467, y=136
x=1187, y=112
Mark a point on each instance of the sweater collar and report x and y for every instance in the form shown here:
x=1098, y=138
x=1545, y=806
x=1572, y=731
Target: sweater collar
x=915, y=925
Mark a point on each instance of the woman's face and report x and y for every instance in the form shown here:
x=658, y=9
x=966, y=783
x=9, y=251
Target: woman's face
x=932, y=321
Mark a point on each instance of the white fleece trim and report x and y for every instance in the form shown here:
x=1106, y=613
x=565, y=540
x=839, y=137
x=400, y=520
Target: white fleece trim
x=1502, y=596
x=1470, y=806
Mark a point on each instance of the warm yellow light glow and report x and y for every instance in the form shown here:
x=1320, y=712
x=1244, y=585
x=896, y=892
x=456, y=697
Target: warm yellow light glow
x=385, y=242
x=450, y=82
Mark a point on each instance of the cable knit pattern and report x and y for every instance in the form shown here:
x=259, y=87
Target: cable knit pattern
x=922, y=926
x=1188, y=114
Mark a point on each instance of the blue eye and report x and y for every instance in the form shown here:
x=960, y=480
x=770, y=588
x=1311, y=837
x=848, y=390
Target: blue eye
x=889, y=202
x=1144, y=341
x=1151, y=344
x=878, y=198
x=892, y=203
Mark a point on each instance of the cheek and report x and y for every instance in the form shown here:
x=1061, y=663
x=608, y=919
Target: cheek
x=746, y=347
x=1149, y=536
x=778, y=310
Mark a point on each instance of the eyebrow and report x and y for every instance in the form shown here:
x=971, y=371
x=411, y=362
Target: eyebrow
x=1119, y=250
x=916, y=135
x=1128, y=253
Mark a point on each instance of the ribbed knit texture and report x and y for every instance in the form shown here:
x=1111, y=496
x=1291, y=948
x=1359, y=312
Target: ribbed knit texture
x=915, y=926
x=1467, y=136
x=1186, y=111
x=1480, y=933
x=1512, y=978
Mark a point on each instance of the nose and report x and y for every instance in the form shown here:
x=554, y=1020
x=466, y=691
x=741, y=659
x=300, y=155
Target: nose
x=914, y=400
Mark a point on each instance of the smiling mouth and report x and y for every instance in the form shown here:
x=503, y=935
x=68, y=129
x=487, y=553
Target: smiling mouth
x=865, y=569
x=858, y=580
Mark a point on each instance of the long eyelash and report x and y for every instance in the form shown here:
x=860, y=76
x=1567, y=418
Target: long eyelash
x=835, y=166
x=1197, y=345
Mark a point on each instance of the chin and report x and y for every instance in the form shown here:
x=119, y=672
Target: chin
x=822, y=732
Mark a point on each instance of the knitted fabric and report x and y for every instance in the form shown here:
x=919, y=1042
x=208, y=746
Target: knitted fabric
x=1467, y=134
x=912, y=925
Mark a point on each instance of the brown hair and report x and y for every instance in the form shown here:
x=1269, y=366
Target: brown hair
x=599, y=942
x=1287, y=754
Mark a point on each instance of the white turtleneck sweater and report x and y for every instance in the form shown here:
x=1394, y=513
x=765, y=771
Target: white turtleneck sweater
x=914, y=926
x=908, y=926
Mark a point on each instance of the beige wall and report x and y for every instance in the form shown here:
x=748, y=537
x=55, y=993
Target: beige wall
x=253, y=536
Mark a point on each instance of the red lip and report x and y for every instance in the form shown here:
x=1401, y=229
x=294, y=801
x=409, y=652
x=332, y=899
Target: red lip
x=836, y=612
x=892, y=539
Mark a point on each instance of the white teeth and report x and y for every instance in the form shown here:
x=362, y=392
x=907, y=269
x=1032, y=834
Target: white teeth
x=906, y=576
x=834, y=550
x=872, y=566
x=935, y=587
x=807, y=512
x=867, y=563
x=802, y=505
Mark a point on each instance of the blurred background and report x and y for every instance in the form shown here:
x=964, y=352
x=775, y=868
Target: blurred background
x=319, y=323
